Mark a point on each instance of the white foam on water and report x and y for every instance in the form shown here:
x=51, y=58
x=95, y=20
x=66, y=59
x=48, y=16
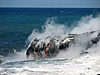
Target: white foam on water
x=18, y=56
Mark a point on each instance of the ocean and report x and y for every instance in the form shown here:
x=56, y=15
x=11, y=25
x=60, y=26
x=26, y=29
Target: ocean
x=19, y=26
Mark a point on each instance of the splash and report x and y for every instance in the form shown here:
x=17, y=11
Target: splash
x=50, y=28
x=18, y=56
x=86, y=24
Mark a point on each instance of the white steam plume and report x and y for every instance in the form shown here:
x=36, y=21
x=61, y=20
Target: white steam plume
x=49, y=29
x=87, y=24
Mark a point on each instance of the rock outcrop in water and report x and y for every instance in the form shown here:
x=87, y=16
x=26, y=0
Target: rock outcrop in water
x=50, y=46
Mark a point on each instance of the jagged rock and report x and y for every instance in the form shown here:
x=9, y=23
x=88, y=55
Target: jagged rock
x=52, y=45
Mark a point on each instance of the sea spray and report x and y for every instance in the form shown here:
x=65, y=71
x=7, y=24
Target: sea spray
x=87, y=24
x=50, y=28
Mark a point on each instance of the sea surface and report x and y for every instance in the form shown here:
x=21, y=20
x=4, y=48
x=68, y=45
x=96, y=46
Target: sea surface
x=19, y=26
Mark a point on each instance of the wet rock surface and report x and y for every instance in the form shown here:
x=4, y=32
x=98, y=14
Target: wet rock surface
x=52, y=45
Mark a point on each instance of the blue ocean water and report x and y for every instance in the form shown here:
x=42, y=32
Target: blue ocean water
x=17, y=24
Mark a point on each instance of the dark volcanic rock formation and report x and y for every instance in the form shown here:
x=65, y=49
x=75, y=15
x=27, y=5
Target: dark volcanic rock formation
x=50, y=46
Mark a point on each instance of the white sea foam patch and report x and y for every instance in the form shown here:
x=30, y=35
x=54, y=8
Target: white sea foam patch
x=87, y=24
x=85, y=65
x=49, y=29
x=18, y=56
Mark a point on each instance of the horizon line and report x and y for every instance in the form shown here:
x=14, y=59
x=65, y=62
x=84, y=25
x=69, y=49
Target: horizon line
x=45, y=7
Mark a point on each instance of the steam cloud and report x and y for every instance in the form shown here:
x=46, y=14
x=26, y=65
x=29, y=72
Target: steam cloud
x=86, y=24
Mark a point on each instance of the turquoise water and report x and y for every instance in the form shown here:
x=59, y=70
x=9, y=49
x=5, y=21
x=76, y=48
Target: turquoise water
x=18, y=26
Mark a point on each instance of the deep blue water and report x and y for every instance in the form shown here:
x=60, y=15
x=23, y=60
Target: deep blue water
x=16, y=24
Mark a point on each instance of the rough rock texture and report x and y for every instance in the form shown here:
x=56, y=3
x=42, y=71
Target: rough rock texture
x=58, y=43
